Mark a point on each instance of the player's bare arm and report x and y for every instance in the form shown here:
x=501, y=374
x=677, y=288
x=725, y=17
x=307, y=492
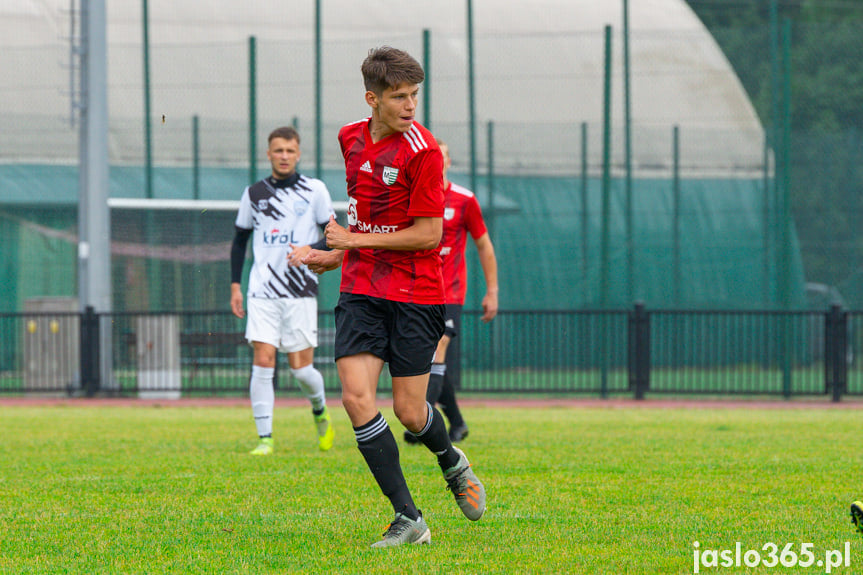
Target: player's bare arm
x=488, y=261
x=237, y=300
x=321, y=261
x=423, y=234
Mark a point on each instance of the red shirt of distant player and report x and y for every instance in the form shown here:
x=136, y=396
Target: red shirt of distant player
x=461, y=215
x=389, y=184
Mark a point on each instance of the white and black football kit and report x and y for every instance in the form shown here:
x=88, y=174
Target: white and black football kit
x=283, y=212
x=282, y=299
x=282, y=305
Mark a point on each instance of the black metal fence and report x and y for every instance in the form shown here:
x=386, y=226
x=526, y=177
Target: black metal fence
x=605, y=352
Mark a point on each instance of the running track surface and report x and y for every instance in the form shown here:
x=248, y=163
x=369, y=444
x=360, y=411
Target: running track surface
x=470, y=402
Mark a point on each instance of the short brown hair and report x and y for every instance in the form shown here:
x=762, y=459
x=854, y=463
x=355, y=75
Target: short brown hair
x=286, y=132
x=387, y=67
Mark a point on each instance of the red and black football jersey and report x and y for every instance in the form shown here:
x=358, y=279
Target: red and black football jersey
x=389, y=183
x=462, y=215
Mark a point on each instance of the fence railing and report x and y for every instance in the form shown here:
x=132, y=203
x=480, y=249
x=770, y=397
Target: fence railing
x=605, y=352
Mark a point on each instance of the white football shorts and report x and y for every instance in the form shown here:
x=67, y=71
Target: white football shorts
x=289, y=324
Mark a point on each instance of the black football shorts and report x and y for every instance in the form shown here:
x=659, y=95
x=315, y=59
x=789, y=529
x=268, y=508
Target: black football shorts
x=452, y=320
x=405, y=335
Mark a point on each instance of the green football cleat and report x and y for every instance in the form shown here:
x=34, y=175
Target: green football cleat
x=265, y=447
x=403, y=530
x=469, y=493
x=326, y=433
x=857, y=515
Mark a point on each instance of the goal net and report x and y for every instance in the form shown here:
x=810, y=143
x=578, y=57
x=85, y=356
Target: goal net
x=173, y=254
x=165, y=254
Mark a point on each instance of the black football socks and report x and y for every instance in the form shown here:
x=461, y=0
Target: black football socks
x=378, y=446
x=435, y=437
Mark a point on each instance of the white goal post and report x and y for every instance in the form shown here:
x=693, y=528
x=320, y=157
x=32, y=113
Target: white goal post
x=189, y=205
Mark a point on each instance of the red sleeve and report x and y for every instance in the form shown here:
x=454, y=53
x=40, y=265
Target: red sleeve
x=473, y=219
x=342, y=138
x=427, y=185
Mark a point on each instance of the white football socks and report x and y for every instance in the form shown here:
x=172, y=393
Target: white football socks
x=263, y=398
x=312, y=383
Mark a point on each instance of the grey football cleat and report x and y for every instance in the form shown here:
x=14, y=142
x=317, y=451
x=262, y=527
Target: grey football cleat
x=404, y=530
x=466, y=487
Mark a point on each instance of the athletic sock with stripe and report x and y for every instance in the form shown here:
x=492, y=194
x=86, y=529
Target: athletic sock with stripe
x=378, y=446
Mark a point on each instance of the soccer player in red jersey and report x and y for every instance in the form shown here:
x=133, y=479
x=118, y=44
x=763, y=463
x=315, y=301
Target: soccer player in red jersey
x=391, y=307
x=462, y=216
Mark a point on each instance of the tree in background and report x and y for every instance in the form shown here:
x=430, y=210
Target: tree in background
x=826, y=119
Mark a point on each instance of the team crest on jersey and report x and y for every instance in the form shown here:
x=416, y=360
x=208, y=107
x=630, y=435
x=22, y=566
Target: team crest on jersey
x=390, y=175
x=262, y=204
x=300, y=207
x=448, y=213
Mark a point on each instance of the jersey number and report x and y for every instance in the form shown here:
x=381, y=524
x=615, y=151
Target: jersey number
x=352, y=211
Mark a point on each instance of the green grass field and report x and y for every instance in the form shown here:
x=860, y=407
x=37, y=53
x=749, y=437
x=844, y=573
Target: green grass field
x=149, y=489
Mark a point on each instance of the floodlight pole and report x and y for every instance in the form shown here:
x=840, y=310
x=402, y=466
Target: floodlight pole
x=94, y=227
x=606, y=213
x=627, y=137
x=148, y=125
x=427, y=84
x=253, y=111
x=319, y=94
x=471, y=96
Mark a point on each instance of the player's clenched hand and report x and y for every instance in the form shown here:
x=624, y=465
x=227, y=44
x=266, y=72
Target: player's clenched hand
x=489, y=306
x=295, y=258
x=237, y=301
x=338, y=238
x=320, y=261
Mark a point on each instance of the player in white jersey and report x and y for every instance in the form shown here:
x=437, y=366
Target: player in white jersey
x=285, y=212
